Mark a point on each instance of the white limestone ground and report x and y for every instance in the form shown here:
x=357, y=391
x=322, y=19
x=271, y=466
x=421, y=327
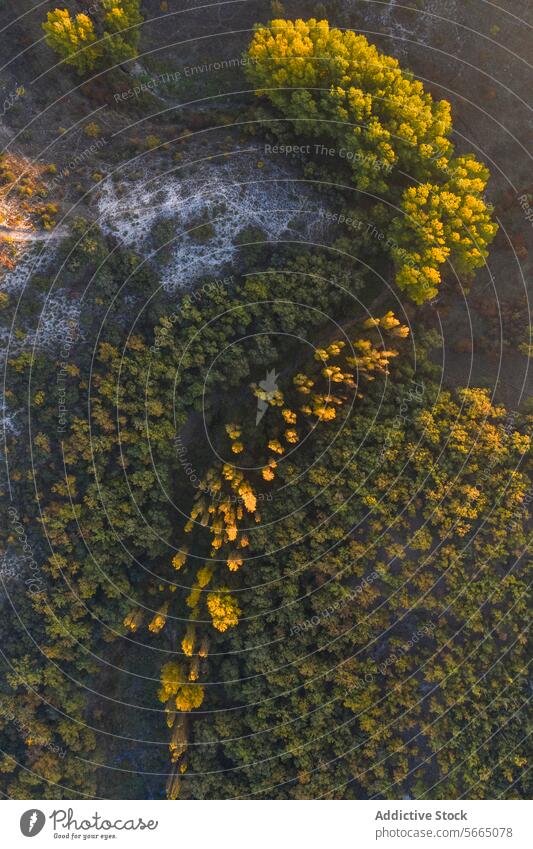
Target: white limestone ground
x=231, y=194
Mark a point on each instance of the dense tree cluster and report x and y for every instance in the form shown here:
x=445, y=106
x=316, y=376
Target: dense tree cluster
x=332, y=87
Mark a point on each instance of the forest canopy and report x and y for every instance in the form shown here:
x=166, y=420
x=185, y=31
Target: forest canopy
x=109, y=36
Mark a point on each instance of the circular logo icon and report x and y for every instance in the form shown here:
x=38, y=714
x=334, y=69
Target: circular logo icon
x=32, y=822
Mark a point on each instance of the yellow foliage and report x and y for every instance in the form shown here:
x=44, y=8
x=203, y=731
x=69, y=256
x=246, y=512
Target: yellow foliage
x=194, y=671
x=247, y=494
x=332, y=84
x=194, y=597
x=172, y=677
x=303, y=383
x=73, y=39
x=159, y=620
x=382, y=116
x=224, y=610
x=233, y=431
x=189, y=697
x=204, y=575
x=203, y=651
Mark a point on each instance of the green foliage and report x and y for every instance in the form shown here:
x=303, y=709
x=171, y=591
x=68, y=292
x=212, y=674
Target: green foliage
x=121, y=28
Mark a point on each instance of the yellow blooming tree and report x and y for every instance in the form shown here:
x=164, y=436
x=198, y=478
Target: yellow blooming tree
x=176, y=690
x=440, y=223
x=227, y=499
x=332, y=86
x=73, y=39
x=110, y=36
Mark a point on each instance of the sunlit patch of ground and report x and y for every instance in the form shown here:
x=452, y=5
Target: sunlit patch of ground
x=208, y=209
